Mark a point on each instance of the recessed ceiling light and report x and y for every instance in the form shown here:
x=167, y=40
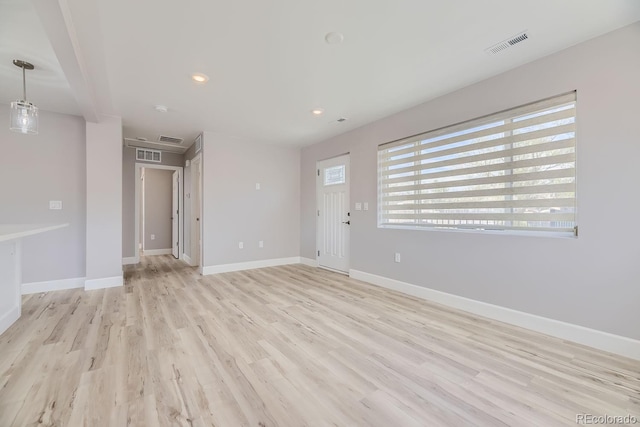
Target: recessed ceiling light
x=161, y=108
x=199, y=78
x=317, y=111
x=334, y=37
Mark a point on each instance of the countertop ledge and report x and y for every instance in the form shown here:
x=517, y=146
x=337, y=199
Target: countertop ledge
x=17, y=231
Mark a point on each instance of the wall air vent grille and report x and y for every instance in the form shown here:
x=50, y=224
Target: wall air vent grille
x=145, y=155
x=506, y=44
x=170, y=139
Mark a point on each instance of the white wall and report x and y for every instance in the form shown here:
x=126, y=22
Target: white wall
x=235, y=211
x=104, y=203
x=591, y=281
x=35, y=169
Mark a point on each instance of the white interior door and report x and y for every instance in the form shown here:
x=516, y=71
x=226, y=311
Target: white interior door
x=196, y=197
x=333, y=213
x=175, y=212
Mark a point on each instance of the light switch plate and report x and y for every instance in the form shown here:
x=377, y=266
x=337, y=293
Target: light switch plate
x=261, y=244
x=366, y=206
x=358, y=206
x=257, y=185
x=55, y=204
x=240, y=245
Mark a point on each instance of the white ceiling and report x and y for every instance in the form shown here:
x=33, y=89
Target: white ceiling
x=269, y=65
x=22, y=37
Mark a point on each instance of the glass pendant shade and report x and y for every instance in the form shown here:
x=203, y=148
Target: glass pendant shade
x=24, y=117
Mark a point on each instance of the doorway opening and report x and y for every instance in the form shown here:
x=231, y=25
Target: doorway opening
x=158, y=210
x=333, y=216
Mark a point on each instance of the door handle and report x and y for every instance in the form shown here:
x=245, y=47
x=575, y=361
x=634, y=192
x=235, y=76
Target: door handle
x=346, y=222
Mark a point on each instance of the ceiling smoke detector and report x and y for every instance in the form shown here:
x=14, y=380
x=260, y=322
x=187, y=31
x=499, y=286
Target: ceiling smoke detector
x=334, y=37
x=506, y=44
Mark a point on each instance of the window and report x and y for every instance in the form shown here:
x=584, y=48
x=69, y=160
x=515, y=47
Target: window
x=334, y=175
x=513, y=170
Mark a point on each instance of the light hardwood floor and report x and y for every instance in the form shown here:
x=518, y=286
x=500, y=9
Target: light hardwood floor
x=288, y=346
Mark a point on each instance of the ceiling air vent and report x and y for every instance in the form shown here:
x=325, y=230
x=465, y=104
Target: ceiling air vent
x=506, y=44
x=170, y=139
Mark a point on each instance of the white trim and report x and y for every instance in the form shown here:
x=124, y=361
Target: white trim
x=52, y=285
x=617, y=344
x=131, y=260
x=180, y=170
x=105, y=282
x=308, y=261
x=239, y=266
x=186, y=258
x=9, y=319
x=151, y=252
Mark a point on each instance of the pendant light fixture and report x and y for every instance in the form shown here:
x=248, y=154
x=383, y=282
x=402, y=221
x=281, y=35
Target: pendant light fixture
x=24, y=115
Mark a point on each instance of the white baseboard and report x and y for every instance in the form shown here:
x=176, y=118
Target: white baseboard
x=9, y=319
x=186, y=258
x=617, y=344
x=150, y=252
x=308, y=261
x=105, y=282
x=239, y=266
x=52, y=285
x=130, y=260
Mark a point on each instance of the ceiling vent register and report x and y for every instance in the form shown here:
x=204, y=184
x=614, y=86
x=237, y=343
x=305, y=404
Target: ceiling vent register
x=506, y=44
x=170, y=139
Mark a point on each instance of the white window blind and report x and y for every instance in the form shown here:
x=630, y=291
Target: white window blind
x=513, y=170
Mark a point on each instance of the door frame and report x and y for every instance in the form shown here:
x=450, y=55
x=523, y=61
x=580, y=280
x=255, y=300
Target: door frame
x=175, y=198
x=318, y=187
x=138, y=192
x=196, y=226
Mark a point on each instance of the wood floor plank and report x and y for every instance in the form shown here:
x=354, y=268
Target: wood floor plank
x=288, y=346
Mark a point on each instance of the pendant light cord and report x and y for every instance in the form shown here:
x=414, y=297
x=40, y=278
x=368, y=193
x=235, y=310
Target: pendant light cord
x=24, y=84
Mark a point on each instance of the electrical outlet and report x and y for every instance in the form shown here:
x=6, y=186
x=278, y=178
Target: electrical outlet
x=153, y=237
x=261, y=244
x=397, y=257
x=240, y=245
